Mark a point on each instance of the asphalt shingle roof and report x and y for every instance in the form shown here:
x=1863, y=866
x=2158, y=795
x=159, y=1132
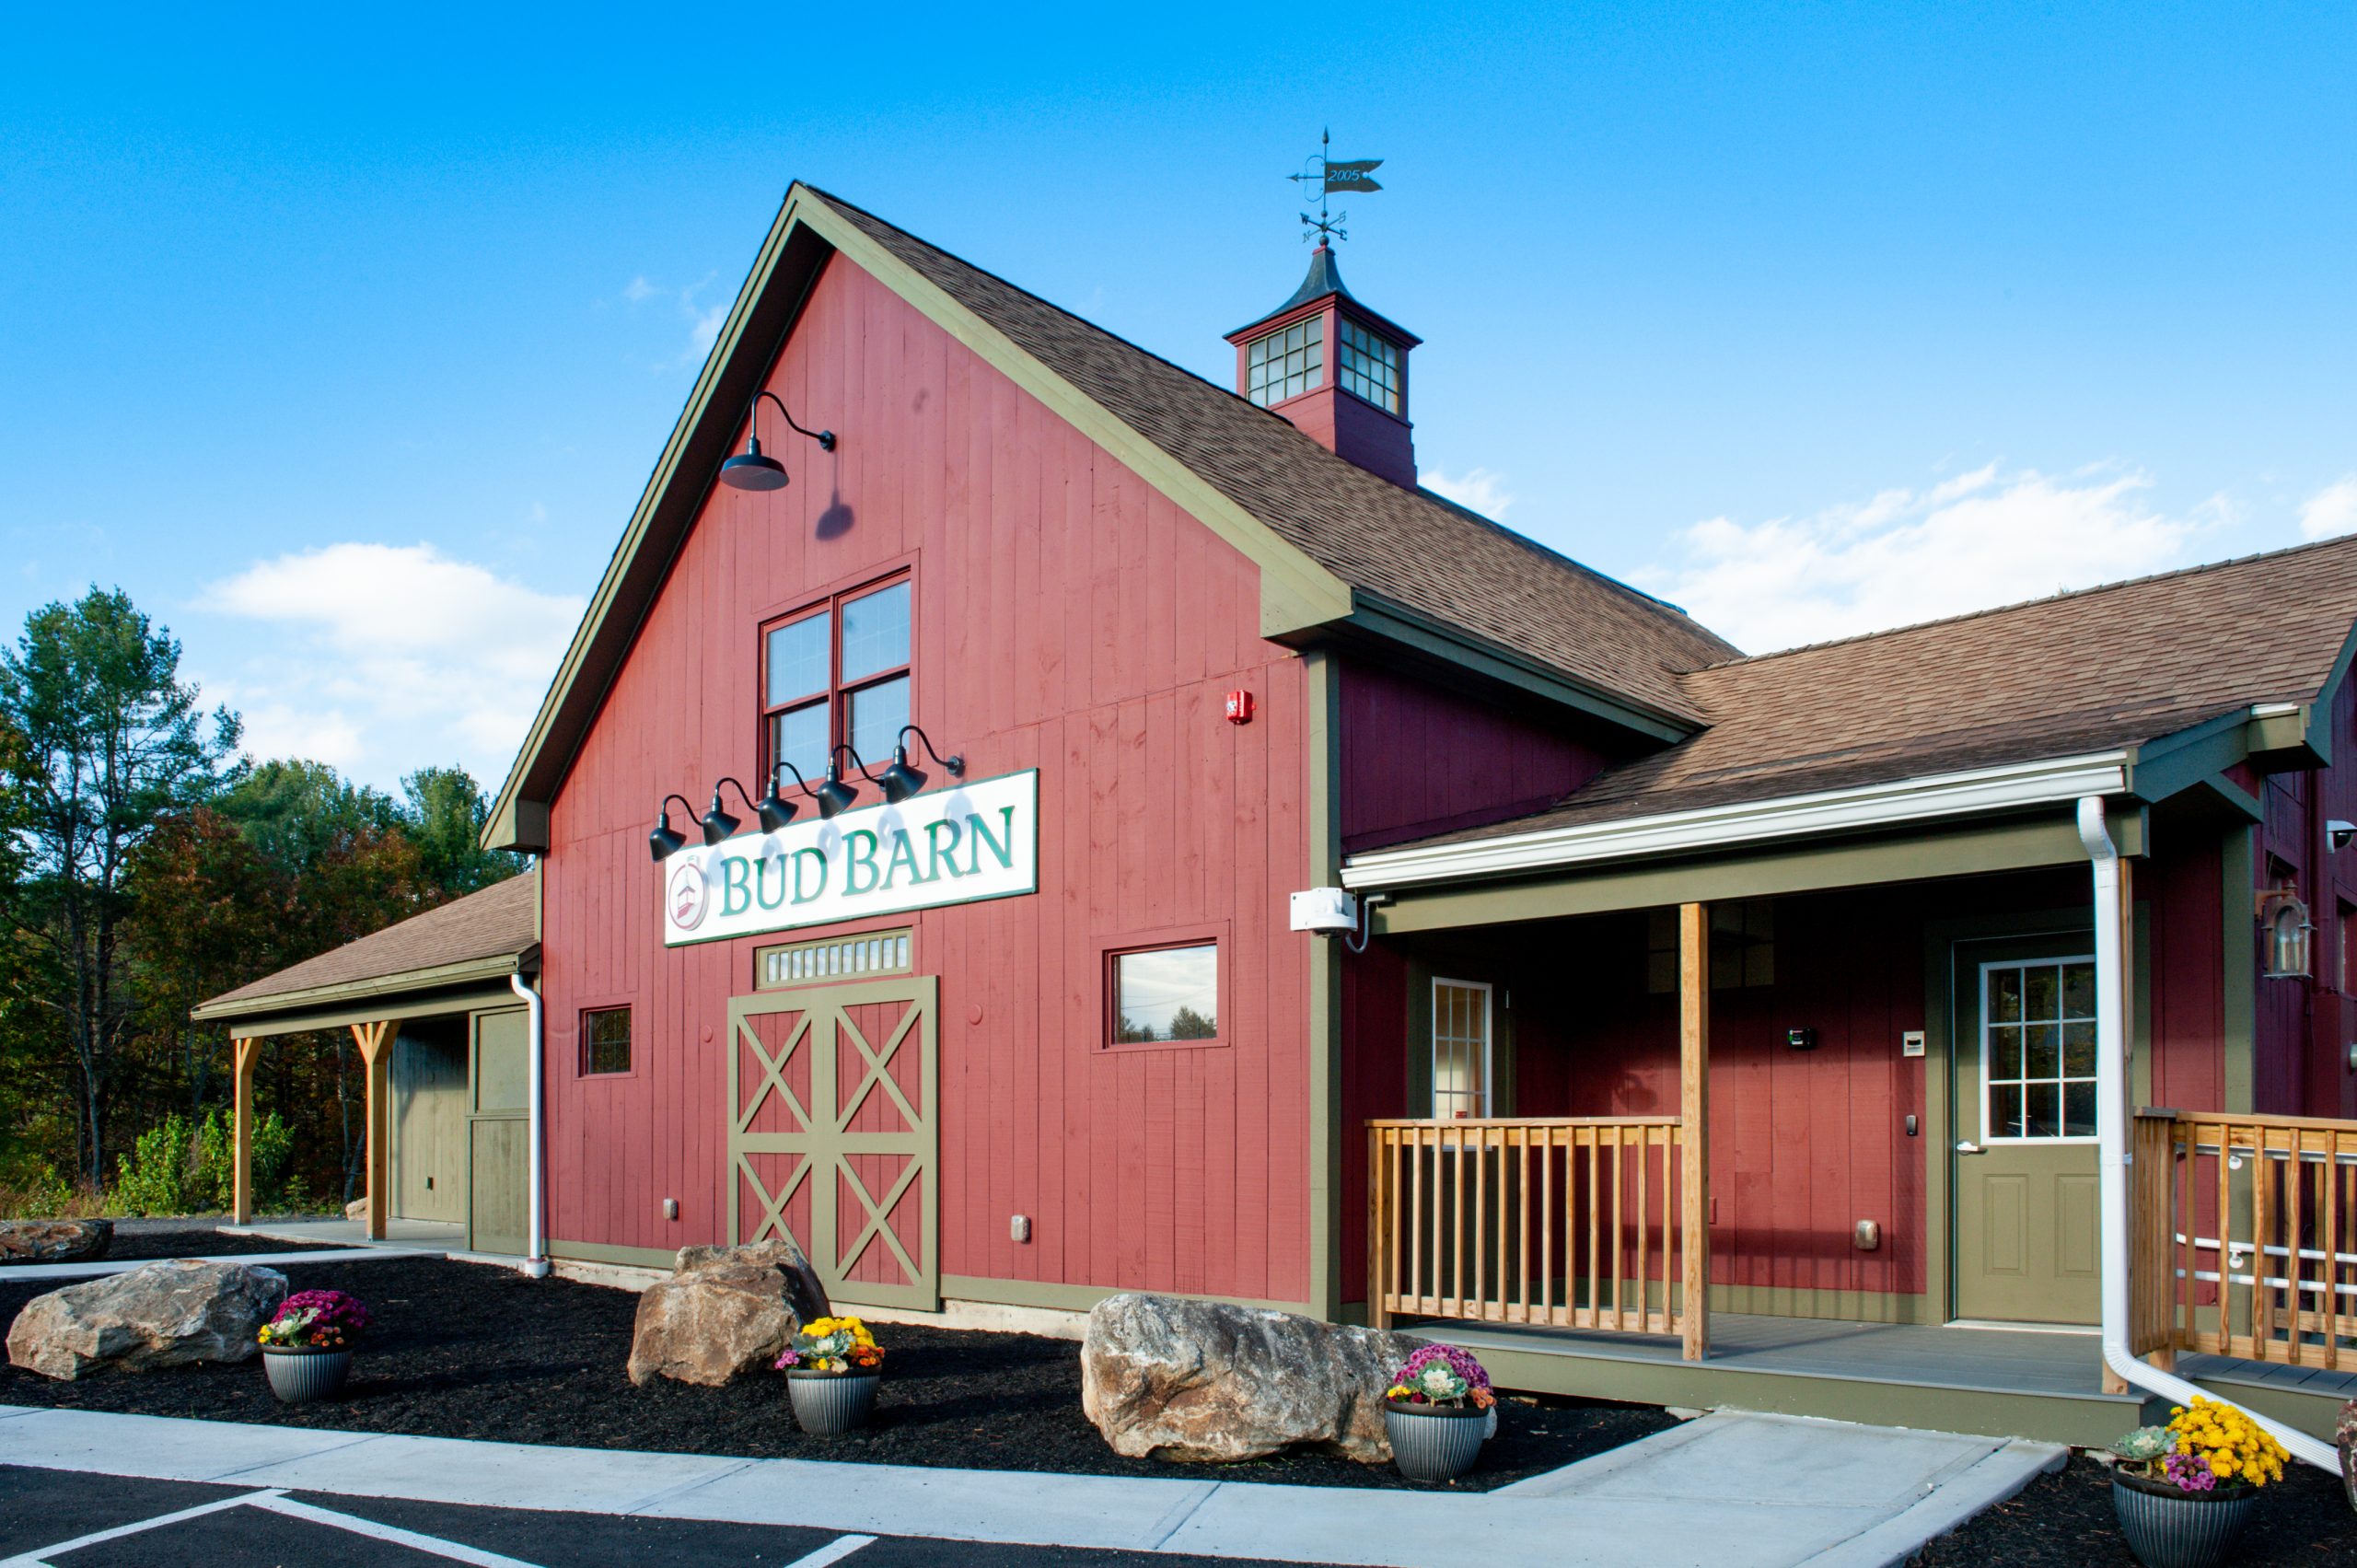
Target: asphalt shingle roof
x=2101, y=668
x=496, y=923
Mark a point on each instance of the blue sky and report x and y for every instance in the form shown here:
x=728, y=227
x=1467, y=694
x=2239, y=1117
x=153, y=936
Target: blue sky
x=345, y=344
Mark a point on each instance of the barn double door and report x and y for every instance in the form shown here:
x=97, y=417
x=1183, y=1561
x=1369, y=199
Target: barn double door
x=832, y=1134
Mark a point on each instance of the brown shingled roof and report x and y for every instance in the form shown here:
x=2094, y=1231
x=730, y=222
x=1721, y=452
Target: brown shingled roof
x=1410, y=547
x=498, y=923
x=2097, y=670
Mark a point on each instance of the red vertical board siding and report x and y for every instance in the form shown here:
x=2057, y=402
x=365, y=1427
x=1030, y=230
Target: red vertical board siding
x=1069, y=617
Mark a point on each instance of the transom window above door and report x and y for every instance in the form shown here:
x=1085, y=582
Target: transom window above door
x=2037, y=1048
x=835, y=674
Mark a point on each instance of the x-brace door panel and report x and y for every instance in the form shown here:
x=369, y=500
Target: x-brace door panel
x=833, y=1134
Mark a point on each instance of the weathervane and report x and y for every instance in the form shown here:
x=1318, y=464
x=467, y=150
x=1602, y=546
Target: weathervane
x=1330, y=177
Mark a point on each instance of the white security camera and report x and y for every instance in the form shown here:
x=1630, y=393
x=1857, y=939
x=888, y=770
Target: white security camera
x=2338, y=834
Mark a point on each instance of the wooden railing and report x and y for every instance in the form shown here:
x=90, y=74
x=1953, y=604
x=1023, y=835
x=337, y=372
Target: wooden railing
x=1559, y=1222
x=2245, y=1238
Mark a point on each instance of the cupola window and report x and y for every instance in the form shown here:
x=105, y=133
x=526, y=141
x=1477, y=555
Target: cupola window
x=1286, y=364
x=1371, y=366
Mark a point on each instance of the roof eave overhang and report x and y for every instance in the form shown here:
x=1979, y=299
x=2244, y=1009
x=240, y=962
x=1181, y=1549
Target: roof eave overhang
x=1903, y=803
x=347, y=994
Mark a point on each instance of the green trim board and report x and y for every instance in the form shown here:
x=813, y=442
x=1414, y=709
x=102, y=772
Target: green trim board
x=623, y=1257
x=1051, y=1297
x=1328, y=1148
x=398, y=1005
x=495, y=966
x=2009, y=845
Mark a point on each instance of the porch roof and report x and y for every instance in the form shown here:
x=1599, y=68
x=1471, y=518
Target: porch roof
x=2038, y=688
x=475, y=940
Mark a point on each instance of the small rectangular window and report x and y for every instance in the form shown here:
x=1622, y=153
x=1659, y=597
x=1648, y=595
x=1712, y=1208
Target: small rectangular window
x=832, y=957
x=1370, y=366
x=1286, y=363
x=605, y=1041
x=1165, y=994
x=2038, y=1040
x=1743, y=946
x=1460, y=1049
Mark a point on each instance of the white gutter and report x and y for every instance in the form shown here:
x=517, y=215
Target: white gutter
x=2111, y=1157
x=535, y=1262
x=2049, y=782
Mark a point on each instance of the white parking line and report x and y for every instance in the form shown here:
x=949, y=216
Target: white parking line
x=278, y=1503
x=833, y=1552
x=37, y=1558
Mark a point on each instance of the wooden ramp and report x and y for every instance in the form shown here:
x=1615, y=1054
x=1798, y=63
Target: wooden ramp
x=2001, y=1382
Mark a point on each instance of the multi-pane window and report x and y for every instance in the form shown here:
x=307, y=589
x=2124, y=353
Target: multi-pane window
x=1370, y=366
x=831, y=958
x=1161, y=993
x=605, y=1039
x=2037, y=1049
x=837, y=674
x=1286, y=363
x=1743, y=946
x=1460, y=1049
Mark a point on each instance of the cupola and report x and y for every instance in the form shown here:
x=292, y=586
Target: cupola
x=1336, y=369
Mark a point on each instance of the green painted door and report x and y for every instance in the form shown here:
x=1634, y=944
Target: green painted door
x=499, y=1134
x=429, y=1081
x=2025, y=1233
x=832, y=1136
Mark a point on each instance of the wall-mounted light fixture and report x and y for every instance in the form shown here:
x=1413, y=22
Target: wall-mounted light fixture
x=666, y=839
x=834, y=796
x=2283, y=921
x=753, y=469
x=774, y=811
x=901, y=780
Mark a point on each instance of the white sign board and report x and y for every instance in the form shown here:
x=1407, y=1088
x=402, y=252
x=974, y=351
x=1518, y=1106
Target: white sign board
x=945, y=847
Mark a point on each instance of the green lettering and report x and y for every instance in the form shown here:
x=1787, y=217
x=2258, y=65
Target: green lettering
x=855, y=861
x=801, y=855
x=1002, y=850
x=903, y=853
x=761, y=881
x=933, y=845
x=735, y=886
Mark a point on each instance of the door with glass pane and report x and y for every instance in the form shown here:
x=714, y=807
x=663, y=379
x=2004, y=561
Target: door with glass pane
x=2025, y=1187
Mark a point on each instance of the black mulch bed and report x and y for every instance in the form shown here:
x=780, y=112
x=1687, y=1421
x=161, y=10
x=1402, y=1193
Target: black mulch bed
x=148, y=1245
x=466, y=1350
x=2065, y=1521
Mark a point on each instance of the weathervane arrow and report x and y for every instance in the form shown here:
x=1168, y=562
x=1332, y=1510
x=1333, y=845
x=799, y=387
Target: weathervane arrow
x=1330, y=175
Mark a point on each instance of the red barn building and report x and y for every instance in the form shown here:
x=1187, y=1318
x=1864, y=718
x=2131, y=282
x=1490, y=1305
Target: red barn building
x=1693, y=1026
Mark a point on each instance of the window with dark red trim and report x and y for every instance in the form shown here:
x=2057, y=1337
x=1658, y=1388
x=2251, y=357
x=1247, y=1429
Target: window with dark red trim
x=605, y=1041
x=834, y=674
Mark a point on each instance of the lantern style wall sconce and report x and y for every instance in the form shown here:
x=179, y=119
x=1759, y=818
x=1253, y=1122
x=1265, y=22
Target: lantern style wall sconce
x=897, y=784
x=2283, y=921
x=754, y=469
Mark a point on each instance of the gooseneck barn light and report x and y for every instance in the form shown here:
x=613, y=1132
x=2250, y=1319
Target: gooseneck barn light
x=718, y=825
x=753, y=469
x=774, y=811
x=666, y=839
x=900, y=780
x=834, y=796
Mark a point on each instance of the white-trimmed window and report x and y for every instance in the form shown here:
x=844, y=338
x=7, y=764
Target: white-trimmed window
x=2038, y=1050
x=1462, y=1074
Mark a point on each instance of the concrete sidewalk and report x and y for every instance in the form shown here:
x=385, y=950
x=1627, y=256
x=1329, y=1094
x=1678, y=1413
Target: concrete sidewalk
x=1728, y=1490
x=98, y=1267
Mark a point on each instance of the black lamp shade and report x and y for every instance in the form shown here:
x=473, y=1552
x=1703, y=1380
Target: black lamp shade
x=717, y=824
x=751, y=469
x=774, y=811
x=666, y=839
x=900, y=780
x=834, y=795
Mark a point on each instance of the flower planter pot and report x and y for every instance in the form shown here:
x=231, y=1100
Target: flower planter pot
x=2169, y=1529
x=1432, y=1443
x=828, y=1404
x=300, y=1374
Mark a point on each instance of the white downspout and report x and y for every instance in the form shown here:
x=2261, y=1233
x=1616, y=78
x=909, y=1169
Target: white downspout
x=2111, y=1140
x=537, y=1263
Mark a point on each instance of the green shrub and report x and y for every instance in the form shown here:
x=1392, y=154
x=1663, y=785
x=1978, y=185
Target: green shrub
x=38, y=1193
x=153, y=1177
x=171, y=1171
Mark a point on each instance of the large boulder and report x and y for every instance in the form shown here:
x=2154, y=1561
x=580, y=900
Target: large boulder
x=724, y=1310
x=1181, y=1379
x=54, y=1241
x=158, y=1314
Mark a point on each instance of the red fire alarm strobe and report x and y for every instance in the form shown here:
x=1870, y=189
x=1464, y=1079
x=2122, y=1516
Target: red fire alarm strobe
x=1239, y=707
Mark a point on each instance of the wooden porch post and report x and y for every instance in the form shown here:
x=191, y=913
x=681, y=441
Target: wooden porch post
x=241, y=1064
x=1694, y=1119
x=374, y=1041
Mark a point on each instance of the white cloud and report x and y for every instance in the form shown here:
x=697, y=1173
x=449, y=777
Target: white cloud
x=704, y=321
x=2332, y=510
x=1477, y=488
x=1981, y=538
x=386, y=658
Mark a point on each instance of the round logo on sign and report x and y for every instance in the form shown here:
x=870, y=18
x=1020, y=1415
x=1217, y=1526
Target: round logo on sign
x=688, y=896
